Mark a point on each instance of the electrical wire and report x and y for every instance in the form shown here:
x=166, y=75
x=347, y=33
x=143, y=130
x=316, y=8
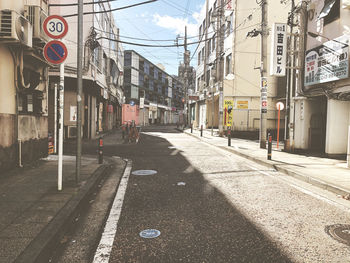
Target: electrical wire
x=115, y=9
x=136, y=38
x=146, y=45
x=88, y=3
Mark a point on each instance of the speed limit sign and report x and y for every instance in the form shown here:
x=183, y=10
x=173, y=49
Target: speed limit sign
x=55, y=26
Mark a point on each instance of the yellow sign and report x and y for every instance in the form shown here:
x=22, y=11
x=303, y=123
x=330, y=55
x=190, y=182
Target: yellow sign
x=228, y=112
x=242, y=104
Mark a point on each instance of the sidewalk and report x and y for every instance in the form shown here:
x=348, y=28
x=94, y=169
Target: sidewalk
x=329, y=174
x=34, y=213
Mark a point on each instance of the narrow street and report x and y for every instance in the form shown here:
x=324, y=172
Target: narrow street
x=213, y=206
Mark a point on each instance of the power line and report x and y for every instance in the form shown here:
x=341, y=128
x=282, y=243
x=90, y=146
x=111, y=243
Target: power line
x=88, y=3
x=136, y=38
x=115, y=9
x=145, y=45
x=177, y=7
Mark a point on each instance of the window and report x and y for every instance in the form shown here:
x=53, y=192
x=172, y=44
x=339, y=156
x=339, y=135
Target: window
x=213, y=43
x=97, y=57
x=207, y=77
x=203, y=53
x=228, y=64
x=105, y=62
x=209, y=17
x=199, y=57
x=127, y=60
x=209, y=47
x=204, y=25
x=200, y=32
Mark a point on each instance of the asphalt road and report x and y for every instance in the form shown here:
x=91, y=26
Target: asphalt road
x=226, y=208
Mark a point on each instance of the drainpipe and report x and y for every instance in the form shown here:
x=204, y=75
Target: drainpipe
x=14, y=55
x=20, y=153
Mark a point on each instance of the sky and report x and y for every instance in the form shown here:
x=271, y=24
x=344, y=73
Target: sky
x=160, y=20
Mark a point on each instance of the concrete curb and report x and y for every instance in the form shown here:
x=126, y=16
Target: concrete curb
x=44, y=242
x=271, y=164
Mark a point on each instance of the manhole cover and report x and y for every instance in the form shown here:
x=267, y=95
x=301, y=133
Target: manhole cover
x=144, y=172
x=339, y=232
x=150, y=233
x=181, y=183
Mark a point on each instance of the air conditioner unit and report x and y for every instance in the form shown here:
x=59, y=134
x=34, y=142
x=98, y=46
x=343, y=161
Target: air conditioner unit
x=15, y=28
x=36, y=17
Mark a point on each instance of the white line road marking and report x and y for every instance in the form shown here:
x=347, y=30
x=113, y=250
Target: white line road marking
x=104, y=249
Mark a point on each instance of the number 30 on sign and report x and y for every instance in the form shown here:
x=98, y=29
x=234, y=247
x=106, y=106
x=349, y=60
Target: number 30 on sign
x=55, y=27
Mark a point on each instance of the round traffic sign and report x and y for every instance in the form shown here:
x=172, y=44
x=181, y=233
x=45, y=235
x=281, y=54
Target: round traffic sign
x=55, y=52
x=55, y=26
x=280, y=105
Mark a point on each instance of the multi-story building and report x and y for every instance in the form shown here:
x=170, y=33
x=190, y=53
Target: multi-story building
x=163, y=94
x=24, y=83
x=102, y=71
x=191, y=79
x=321, y=99
x=229, y=65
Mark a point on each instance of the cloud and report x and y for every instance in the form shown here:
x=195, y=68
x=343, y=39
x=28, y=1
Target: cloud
x=178, y=24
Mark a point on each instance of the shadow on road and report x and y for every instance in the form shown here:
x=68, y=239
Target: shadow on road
x=197, y=222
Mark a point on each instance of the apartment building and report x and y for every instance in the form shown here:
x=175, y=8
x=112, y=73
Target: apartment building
x=24, y=83
x=321, y=99
x=163, y=93
x=229, y=65
x=102, y=71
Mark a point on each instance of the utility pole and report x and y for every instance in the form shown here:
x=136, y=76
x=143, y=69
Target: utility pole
x=187, y=64
x=79, y=88
x=221, y=34
x=219, y=64
x=289, y=77
x=264, y=84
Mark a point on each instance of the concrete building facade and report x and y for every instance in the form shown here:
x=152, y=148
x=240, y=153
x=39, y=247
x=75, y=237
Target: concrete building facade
x=102, y=71
x=229, y=62
x=163, y=93
x=322, y=97
x=24, y=83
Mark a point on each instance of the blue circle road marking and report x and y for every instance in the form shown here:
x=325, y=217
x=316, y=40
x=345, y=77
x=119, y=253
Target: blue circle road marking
x=55, y=52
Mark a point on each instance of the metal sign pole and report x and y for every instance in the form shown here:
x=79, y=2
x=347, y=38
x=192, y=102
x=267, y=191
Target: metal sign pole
x=80, y=88
x=55, y=121
x=60, y=127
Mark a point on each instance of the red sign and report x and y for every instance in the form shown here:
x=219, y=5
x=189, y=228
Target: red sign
x=193, y=97
x=55, y=52
x=55, y=26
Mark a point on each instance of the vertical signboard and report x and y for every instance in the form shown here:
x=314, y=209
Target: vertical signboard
x=142, y=103
x=263, y=95
x=278, y=50
x=228, y=113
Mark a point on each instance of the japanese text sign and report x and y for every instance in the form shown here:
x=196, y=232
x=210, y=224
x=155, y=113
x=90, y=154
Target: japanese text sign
x=278, y=50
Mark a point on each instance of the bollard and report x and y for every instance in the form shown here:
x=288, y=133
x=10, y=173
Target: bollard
x=269, y=147
x=202, y=130
x=191, y=128
x=100, y=150
x=229, y=136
